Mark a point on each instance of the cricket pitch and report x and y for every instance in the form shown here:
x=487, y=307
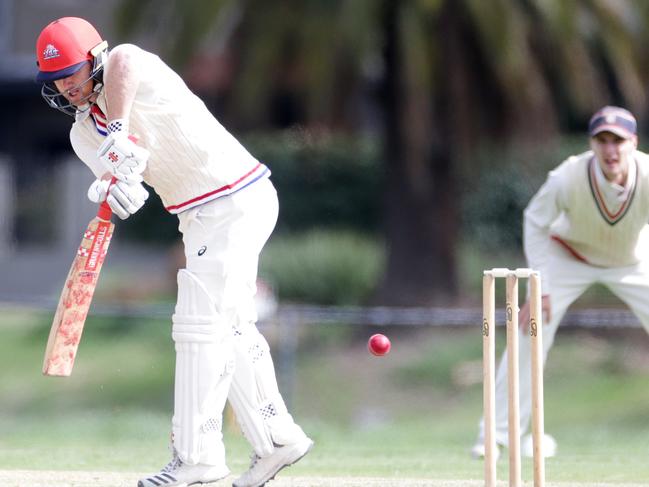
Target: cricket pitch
x=45, y=478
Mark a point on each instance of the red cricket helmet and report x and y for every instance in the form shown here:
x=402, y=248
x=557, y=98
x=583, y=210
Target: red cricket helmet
x=64, y=46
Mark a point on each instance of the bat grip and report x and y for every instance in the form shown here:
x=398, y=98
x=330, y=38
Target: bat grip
x=104, y=212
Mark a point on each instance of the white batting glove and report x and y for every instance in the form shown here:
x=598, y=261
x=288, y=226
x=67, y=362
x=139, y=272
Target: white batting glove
x=98, y=190
x=120, y=155
x=126, y=198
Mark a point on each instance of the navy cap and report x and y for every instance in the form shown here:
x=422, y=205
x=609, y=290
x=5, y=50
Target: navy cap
x=616, y=120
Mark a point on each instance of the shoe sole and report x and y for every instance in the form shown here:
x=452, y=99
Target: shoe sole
x=202, y=482
x=287, y=465
x=198, y=482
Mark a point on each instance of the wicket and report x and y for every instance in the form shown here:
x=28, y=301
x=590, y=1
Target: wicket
x=489, y=373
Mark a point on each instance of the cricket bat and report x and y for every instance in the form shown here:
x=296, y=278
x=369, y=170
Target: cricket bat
x=77, y=294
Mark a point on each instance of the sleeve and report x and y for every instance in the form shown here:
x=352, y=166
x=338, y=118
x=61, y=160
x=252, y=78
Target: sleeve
x=146, y=72
x=543, y=209
x=87, y=152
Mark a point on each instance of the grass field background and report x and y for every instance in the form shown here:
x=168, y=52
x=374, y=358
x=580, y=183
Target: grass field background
x=410, y=414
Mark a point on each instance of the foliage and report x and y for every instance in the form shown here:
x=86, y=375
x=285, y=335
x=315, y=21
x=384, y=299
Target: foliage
x=551, y=56
x=504, y=182
x=434, y=78
x=172, y=22
x=322, y=179
x=323, y=267
x=494, y=212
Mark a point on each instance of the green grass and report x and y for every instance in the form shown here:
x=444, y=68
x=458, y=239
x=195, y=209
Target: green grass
x=412, y=413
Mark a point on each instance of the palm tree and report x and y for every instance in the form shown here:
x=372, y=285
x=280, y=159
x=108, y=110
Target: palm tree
x=451, y=74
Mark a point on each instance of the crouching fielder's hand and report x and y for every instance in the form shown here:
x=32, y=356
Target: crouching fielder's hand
x=122, y=157
x=122, y=197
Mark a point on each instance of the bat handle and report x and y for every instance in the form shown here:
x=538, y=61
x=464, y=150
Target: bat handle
x=104, y=212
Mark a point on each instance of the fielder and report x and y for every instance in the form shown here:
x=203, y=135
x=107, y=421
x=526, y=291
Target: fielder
x=587, y=224
x=227, y=209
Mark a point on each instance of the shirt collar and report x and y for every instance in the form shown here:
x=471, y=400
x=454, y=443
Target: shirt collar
x=82, y=115
x=613, y=189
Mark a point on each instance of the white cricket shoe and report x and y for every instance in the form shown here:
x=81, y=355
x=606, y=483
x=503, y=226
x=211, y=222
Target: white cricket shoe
x=178, y=474
x=549, y=446
x=478, y=450
x=527, y=447
x=264, y=469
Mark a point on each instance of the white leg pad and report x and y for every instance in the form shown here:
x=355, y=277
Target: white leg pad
x=204, y=366
x=255, y=397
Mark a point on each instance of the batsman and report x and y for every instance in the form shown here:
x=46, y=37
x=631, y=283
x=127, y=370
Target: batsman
x=227, y=208
x=587, y=224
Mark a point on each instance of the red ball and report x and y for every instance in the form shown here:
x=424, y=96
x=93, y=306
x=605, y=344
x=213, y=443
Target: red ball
x=378, y=344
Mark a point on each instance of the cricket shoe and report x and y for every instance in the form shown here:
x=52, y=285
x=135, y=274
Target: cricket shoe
x=264, y=469
x=178, y=474
x=478, y=450
x=549, y=446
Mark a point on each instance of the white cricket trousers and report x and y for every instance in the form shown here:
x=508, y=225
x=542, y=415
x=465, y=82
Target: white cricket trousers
x=223, y=239
x=569, y=279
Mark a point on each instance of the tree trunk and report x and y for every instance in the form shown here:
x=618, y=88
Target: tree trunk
x=420, y=198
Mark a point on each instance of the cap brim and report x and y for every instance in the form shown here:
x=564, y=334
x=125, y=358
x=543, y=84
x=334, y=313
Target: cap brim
x=48, y=76
x=614, y=129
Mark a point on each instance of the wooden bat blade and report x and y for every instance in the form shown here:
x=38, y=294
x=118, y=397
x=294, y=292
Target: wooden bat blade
x=76, y=297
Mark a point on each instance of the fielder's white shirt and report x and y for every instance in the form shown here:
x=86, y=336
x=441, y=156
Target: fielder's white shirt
x=193, y=158
x=596, y=221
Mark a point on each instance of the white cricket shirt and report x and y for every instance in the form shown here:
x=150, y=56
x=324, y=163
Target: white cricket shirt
x=597, y=222
x=193, y=158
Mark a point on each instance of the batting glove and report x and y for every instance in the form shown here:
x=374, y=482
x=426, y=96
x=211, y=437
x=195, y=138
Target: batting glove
x=98, y=190
x=120, y=155
x=126, y=198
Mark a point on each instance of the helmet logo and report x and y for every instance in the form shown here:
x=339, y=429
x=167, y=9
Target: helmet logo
x=50, y=52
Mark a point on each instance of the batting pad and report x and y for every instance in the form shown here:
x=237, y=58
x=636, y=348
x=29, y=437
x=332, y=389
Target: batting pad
x=255, y=397
x=204, y=364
